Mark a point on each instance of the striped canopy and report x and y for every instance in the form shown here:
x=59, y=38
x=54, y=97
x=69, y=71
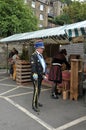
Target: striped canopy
x=76, y=29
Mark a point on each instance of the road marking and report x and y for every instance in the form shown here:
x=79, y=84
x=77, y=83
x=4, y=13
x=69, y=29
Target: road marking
x=47, y=126
x=26, y=86
x=2, y=72
x=7, y=84
x=21, y=94
x=16, y=87
x=30, y=87
x=4, y=79
x=8, y=91
x=72, y=123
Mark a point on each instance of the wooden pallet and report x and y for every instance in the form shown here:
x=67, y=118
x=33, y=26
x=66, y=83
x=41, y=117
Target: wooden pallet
x=23, y=72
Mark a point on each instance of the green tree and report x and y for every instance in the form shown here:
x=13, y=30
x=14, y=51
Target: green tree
x=16, y=17
x=62, y=19
x=74, y=12
x=68, y=2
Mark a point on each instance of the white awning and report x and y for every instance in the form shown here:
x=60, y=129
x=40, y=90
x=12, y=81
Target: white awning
x=51, y=35
x=57, y=35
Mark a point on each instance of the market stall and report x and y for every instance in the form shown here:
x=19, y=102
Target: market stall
x=77, y=32
x=58, y=35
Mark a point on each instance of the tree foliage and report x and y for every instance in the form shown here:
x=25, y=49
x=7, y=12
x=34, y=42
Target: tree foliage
x=16, y=17
x=75, y=12
x=62, y=19
x=68, y=2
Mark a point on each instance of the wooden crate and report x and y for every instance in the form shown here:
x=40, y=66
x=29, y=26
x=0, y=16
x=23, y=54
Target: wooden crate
x=23, y=72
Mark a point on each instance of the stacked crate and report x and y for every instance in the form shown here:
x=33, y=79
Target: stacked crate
x=23, y=72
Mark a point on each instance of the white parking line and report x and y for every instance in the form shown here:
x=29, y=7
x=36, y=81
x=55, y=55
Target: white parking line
x=72, y=123
x=47, y=126
x=16, y=85
x=8, y=91
x=44, y=124
x=21, y=94
x=7, y=84
x=4, y=78
x=3, y=72
x=30, y=87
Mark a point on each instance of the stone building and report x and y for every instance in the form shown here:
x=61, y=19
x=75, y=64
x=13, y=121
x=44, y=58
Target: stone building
x=40, y=9
x=56, y=7
x=44, y=9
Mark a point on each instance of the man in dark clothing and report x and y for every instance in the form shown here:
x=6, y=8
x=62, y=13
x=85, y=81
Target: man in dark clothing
x=38, y=69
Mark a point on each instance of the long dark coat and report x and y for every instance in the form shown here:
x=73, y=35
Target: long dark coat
x=36, y=66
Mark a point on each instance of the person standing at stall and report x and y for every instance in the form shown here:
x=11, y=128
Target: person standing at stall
x=55, y=73
x=38, y=69
x=10, y=60
x=15, y=58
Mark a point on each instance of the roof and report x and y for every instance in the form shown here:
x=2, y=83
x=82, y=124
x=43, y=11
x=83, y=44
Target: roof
x=57, y=35
x=51, y=35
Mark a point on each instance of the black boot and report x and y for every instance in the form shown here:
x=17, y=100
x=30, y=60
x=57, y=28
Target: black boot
x=35, y=108
x=54, y=96
x=40, y=105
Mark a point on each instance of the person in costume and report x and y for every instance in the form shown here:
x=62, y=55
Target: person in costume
x=38, y=70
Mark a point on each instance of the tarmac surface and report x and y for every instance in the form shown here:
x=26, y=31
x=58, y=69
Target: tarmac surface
x=56, y=114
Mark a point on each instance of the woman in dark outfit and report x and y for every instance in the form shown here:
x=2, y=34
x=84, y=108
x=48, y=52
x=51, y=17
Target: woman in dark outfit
x=55, y=73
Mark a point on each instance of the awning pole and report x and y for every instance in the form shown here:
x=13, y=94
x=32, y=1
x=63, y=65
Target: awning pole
x=7, y=58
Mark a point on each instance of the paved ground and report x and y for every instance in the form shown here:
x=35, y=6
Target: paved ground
x=16, y=112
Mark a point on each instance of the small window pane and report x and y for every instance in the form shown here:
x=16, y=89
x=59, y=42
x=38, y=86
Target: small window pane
x=33, y=4
x=41, y=17
x=48, y=10
x=41, y=7
x=40, y=25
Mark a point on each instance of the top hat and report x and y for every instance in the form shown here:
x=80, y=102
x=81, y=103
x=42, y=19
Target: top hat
x=39, y=45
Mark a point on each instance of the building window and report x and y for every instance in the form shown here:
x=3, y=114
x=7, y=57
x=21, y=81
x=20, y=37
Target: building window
x=41, y=7
x=25, y=1
x=48, y=10
x=40, y=25
x=33, y=4
x=41, y=17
